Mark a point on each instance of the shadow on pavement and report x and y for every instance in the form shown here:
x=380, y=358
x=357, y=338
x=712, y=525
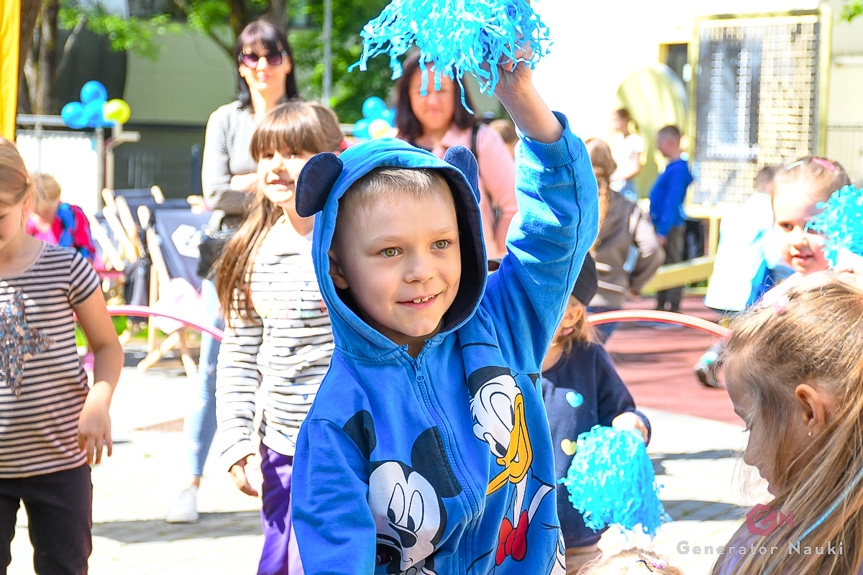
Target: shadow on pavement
x=700, y=510
x=222, y=524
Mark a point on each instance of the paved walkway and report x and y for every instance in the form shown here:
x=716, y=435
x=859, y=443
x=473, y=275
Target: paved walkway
x=696, y=461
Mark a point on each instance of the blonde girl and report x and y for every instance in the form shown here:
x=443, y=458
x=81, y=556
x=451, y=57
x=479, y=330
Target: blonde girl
x=59, y=223
x=278, y=334
x=798, y=189
x=794, y=372
x=581, y=388
x=52, y=423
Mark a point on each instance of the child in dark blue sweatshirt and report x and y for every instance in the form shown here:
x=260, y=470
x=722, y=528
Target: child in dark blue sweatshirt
x=581, y=389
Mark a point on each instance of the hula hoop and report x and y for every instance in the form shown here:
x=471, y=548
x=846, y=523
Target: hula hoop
x=660, y=317
x=144, y=311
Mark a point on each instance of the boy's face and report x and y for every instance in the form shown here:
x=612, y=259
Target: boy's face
x=792, y=209
x=401, y=260
x=278, y=172
x=667, y=146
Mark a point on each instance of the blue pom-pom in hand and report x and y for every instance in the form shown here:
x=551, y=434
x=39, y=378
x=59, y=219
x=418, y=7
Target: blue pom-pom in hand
x=611, y=481
x=456, y=37
x=841, y=223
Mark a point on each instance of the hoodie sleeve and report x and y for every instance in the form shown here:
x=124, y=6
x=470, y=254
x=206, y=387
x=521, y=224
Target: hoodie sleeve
x=331, y=517
x=557, y=224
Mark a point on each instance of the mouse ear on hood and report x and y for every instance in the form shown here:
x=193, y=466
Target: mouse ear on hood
x=316, y=182
x=463, y=159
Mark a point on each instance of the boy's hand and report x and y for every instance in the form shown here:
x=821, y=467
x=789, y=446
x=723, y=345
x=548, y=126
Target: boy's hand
x=528, y=111
x=94, y=424
x=630, y=420
x=246, y=474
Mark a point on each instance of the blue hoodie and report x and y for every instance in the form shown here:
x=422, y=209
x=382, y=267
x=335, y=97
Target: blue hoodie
x=443, y=463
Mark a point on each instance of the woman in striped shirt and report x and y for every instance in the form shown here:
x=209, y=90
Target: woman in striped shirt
x=52, y=423
x=278, y=334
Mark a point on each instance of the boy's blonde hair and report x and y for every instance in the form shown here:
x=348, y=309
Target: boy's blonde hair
x=630, y=561
x=386, y=183
x=813, y=335
x=821, y=176
x=15, y=181
x=47, y=189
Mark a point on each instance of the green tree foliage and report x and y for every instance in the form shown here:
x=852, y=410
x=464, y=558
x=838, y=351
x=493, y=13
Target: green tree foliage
x=851, y=9
x=222, y=20
x=350, y=88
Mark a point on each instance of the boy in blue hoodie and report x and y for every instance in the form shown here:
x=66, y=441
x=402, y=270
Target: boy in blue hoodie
x=427, y=450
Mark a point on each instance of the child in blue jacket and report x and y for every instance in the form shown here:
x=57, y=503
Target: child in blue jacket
x=427, y=449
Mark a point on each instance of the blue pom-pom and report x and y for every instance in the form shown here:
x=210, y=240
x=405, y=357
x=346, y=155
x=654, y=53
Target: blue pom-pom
x=841, y=223
x=611, y=481
x=456, y=37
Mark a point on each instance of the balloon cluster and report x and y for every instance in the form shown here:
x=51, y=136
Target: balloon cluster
x=377, y=119
x=95, y=109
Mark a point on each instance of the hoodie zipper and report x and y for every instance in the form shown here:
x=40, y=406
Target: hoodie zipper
x=421, y=384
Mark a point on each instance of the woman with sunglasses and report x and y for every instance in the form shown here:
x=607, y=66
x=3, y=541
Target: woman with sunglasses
x=265, y=78
x=437, y=121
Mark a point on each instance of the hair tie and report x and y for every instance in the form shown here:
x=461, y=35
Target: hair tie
x=651, y=563
x=781, y=304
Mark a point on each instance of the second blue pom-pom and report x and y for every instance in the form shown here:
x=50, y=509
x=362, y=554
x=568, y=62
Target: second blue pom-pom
x=611, y=481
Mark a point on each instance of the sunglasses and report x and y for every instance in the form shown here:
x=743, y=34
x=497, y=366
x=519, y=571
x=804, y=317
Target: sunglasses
x=251, y=59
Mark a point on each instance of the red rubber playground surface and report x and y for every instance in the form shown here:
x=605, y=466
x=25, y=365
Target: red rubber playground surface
x=656, y=364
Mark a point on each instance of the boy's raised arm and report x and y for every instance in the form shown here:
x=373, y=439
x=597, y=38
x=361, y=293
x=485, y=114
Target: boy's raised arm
x=558, y=222
x=528, y=110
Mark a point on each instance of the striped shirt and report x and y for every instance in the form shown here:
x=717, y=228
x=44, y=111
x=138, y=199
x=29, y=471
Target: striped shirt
x=39, y=426
x=284, y=348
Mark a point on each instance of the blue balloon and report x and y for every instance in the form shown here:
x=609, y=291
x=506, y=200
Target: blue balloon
x=93, y=114
x=373, y=108
x=93, y=91
x=389, y=116
x=73, y=115
x=361, y=129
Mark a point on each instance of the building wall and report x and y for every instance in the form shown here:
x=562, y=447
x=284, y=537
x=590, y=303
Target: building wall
x=191, y=78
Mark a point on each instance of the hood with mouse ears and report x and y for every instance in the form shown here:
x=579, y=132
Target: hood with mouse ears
x=326, y=178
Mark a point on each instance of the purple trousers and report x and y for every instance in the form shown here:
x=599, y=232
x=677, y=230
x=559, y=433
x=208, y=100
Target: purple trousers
x=280, y=555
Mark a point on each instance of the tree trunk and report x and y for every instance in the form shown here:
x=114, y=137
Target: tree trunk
x=278, y=14
x=47, y=67
x=29, y=15
x=238, y=17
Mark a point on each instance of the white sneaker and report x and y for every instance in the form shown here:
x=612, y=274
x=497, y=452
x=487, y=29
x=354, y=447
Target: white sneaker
x=184, y=508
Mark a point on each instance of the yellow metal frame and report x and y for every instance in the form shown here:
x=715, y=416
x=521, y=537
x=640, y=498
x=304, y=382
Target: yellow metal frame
x=680, y=274
x=714, y=212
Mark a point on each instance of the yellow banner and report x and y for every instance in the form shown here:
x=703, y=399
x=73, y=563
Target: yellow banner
x=10, y=16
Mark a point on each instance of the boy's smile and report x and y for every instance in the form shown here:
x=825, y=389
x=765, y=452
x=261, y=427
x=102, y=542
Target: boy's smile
x=399, y=257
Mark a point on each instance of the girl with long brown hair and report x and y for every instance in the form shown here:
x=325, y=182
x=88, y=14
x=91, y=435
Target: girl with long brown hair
x=277, y=333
